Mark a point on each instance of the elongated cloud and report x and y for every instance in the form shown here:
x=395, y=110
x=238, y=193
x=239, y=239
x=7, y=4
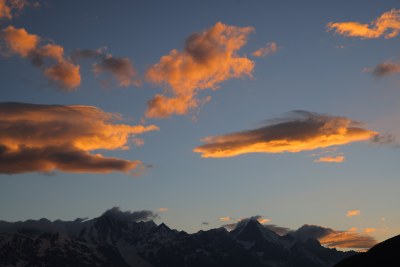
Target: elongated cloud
x=352, y=213
x=333, y=238
x=45, y=138
x=301, y=131
x=335, y=159
x=121, y=68
x=209, y=58
x=386, y=69
x=269, y=49
x=387, y=25
x=49, y=57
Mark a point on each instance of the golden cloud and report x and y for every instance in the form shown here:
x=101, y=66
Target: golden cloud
x=269, y=49
x=209, y=58
x=225, y=219
x=302, y=131
x=335, y=159
x=352, y=213
x=45, y=138
x=61, y=70
x=387, y=25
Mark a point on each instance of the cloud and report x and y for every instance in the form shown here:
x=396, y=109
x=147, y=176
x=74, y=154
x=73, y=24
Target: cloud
x=121, y=68
x=45, y=138
x=50, y=57
x=352, y=213
x=162, y=209
x=370, y=230
x=332, y=238
x=387, y=25
x=209, y=58
x=386, y=68
x=9, y=8
x=336, y=159
x=129, y=216
x=269, y=49
x=301, y=131
x=205, y=223
x=225, y=219
x=385, y=139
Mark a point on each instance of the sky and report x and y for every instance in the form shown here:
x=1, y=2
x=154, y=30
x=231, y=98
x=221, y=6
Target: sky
x=206, y=112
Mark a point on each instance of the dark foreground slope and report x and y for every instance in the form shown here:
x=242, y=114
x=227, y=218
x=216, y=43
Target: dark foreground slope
x=110, y=241
x=386, y=253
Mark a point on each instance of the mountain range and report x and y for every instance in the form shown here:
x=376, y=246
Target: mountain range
x=114, y=239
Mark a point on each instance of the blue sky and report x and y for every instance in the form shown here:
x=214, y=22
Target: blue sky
x=313, y=69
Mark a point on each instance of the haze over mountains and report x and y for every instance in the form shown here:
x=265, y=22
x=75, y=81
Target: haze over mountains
x=119, y=238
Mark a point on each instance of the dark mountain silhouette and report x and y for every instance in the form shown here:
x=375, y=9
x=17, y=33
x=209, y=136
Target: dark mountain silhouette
x=385, y=253
x=113, y=240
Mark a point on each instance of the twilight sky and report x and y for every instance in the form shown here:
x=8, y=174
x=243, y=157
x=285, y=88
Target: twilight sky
x=206, y=112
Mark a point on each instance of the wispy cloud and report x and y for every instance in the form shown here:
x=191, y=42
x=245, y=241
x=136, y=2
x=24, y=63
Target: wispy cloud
x=300, y=131
x=162, y=209
x=49, y=57
x=119, y=67
x=45, y=138
x=387, y=25
x=269, y=49
x=386, y=69
x=209, y=58
x=352, y=213
x=330, y=159
x=225, y=219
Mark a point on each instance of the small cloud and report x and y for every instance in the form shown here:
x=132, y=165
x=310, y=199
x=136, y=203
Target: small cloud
x=370, y=230
x=353, y=229
x=340, y=47
x=209, y=58
x=383, y=219
x=225, y=219
x=121, y=68
x=386, y=69
x=163, y=209
x=129, y=216
x=11, y=8
x=335, y=159
x=263, y=220
x=385, y=140
x=300, y=131
x=352, y=213
x=205, y=223
x=269, y=49
x=387, y=25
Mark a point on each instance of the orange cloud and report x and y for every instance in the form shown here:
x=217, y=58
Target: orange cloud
x=333, y=238
x=225, y=219
x=163, y=209
x=370, y=230
x=9, y=7
x=387, y=25
x=269, y=49
x=352, y=213
x=263, y=220
x=336, y=159
x=209, y=58
x=60, y=70
x=121, y=68
x=45, y=138
x=301, y=132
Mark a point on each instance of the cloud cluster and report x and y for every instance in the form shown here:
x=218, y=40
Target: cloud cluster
x=209, y=58
x=301, y=131
x=352, y=213
x=121, y=68
x=332, y=238
x=8, y=8
x=45, y=138
x=50, y=57
x=269, y=49
x=387, y=25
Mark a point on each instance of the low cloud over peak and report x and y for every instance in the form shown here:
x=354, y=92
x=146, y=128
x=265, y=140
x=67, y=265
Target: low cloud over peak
x=209, y=58
x=45, y=138
x=300, y=131
x=387, y=25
